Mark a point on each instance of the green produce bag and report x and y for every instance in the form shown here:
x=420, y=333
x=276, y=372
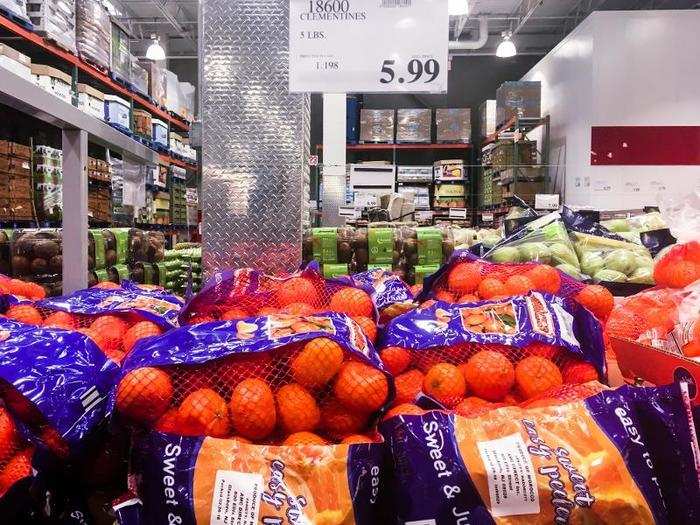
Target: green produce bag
x=121, y=235
x=544, y=240
x=99, y=240
x=381, y=247
x=630, y=228
x=325, y=244
x=334, y=270
x=423, y=271
x=611, y=260
x=429, y=246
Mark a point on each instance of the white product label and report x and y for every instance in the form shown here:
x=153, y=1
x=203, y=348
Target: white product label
x=365, y=46
x=236, y=498
x=566, y=325
x=602, y=185
x=510, y=475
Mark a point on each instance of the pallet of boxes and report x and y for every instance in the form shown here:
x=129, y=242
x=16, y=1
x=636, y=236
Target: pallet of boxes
x=15, y=182
x=99, y=190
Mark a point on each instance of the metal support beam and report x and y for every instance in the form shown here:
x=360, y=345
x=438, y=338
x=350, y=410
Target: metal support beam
x=75, y=210
x=526, y=9
x=162, y=7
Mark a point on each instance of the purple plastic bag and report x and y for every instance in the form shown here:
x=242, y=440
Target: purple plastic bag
x=155, y=305
x=518, y=322
x=593, y=460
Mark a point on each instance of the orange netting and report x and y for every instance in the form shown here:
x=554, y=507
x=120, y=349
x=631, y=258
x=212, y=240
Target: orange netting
x=115, y=334
x=467, y=282
x=471, y=377
x=251, y=294
x=313, y=391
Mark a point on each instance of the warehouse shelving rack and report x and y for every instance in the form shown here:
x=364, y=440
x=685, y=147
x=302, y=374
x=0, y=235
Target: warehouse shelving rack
x=395, y=151
x=517, y=130
x=77, y=129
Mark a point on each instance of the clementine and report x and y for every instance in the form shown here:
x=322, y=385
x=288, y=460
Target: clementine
x=535, y=375
x=317, y=362
x=544, y=278
x=408, y=386
x=464, y=278
x=19, y=467
x=205, y=412
x=60, y=320
x=139, y=331
x=24, y=313
x=518, y=285
x=445, y=383
x=489, y=375
x=352, y=301
x=297, y=290
x=338, y=421
x=368, y=327
x=404, y=409
x=395, y=359
x=491, y=287
x=233, y=314
x=144, y=394
x=252, y=409
x=361, y=387
x=8, y=435
x=297, y=409
x=597, y=299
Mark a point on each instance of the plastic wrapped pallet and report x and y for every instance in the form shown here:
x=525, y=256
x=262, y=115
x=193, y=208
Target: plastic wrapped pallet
x=16, y=7
x=377, y=125
x=156, y=81
x=187, y=101
x=48, y=183
x=55, y=19
x=93, y=32
x=413, y=125
x=453, y=125
x=172, y=92
x=139, y=76
x=121, y=58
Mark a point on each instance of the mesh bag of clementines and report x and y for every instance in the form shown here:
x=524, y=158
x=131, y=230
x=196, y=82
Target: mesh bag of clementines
x=114, y=334
x=466, y=279
x=458, y=355
x=279, y=379
x=234, y=295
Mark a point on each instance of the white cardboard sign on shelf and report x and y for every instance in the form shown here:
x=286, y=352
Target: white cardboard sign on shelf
x=368, y=46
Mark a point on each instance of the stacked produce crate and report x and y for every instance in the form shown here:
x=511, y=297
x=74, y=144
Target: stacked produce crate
x=15, y=182
x=47, y=170
x=178, y=199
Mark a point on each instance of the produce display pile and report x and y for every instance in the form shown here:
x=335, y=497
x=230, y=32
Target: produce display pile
x=566, y=240
x=354, y=399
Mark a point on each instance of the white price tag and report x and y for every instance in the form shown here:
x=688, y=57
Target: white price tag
x=458, y=213
x=366, y=46
x=602, y=185
x=487, y=217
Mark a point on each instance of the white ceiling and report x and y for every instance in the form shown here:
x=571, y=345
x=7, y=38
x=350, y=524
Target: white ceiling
x=175, y=21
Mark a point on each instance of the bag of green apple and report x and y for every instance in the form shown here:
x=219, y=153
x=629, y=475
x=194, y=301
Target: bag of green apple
x=612, y=260
x=544, y=240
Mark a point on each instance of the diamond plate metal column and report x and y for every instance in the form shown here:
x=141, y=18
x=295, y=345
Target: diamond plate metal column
x=255, y=138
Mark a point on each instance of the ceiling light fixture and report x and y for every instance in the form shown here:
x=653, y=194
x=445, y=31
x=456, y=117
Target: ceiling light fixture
x=155, y=51
x=506, y=48
x=458, y=7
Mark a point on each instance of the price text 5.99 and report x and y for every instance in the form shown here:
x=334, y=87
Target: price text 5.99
x=428, y=70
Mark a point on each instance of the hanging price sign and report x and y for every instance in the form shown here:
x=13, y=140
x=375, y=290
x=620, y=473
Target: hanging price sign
x=368, y=46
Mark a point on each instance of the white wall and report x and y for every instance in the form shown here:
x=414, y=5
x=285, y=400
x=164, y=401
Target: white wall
x=621, y=68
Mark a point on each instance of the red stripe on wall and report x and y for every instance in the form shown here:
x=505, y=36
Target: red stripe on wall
x=645, y=145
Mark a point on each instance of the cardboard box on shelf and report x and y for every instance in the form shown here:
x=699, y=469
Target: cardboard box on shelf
x=453, y=125
x=638, y=361
x=14, y=149
x=525, y=190
x=22, y=209
x=19, y=63
x=54, y=81
x=15, y=166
